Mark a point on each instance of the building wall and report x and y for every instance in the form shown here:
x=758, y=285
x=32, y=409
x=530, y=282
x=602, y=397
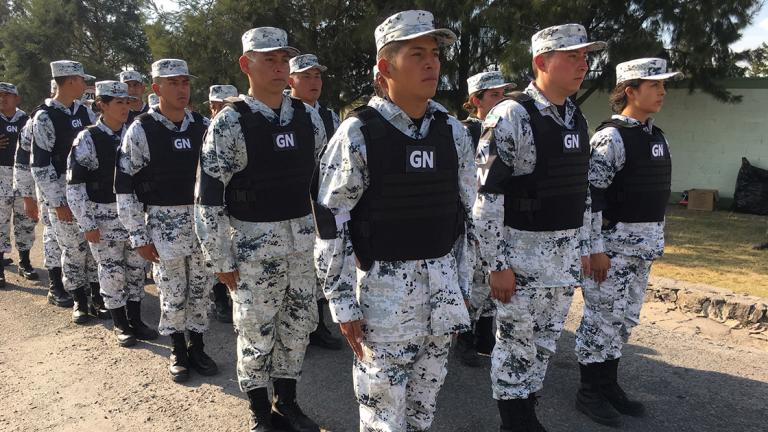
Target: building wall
x=707, y=138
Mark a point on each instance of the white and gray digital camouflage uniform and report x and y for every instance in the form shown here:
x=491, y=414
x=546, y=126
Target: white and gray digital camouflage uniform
x=12, y=202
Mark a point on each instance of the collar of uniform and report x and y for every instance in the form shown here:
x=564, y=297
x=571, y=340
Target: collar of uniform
x=543, y=104
x=260, y=107
x=188, y=118
x=14, y=117
x=390, y=110
x=143, y=107
x=648, y=126
x=60, y=106
x=101, y=125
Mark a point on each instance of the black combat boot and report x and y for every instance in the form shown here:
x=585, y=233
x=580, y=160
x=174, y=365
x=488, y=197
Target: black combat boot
x=322, y=336
x=123, y=333
x=513, y=414
x=261, y=415
x=179, y=361
x=198, y=359
x=465, y=349
x=2, y=271
x=590, y=400
x=25, y=267
x=221, y=302
x=286, y=412
x=609, y=387
x=138, y=328
x=97, y=308
x=57, y=296
x=532, y=419
x=485, y=340
x=80, y=308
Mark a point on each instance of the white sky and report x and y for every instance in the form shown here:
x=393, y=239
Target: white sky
x=753, y=35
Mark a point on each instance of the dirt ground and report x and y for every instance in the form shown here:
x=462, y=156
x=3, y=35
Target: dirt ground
x=694, y=374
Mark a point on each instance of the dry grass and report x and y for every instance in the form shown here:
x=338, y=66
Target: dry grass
x=715, y=248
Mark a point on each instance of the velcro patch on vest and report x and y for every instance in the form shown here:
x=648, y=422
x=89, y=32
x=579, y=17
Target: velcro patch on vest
x=571, y=142
x=12, y=129
x=490, y=121
x=284, y=141
x=658, y=150
x=182, y=144
x=420, y=159
x=77, y=124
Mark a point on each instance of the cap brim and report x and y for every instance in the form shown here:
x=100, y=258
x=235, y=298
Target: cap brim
x=590, y=46
x=291, y=50
x=317, y=66
x=509, y=85
x=88, y=77
x=664, y=76
x=174, y=75
x=444, y=37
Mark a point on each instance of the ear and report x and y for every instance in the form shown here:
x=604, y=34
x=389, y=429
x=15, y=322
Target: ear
x=541, y=62
x=384, y=68
x=244, y=64
x=291, y=82
x=156, y=88
x=474, y=100
x=629, y=92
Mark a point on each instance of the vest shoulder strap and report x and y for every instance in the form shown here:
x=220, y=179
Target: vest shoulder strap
x=372, y=121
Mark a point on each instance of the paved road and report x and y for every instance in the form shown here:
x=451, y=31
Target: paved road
x=56, y=376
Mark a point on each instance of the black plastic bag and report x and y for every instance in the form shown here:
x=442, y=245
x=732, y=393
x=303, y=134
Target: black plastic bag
x=751, y=195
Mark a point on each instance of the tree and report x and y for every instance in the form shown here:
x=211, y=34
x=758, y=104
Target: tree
x=755, y=61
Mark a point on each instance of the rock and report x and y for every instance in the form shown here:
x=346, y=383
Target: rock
x=694, y=302
x=715, y=308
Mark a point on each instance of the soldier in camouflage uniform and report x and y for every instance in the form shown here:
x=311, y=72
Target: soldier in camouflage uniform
x=12, y=120
x=486, y=89
x=532, y=217
x=257, y=163
x=34, y=206
x=136, y=88
x=306, y=82
x=155, y=183
x=54, y=128
x=629, y=175
x=394, y=230
x=90, y=181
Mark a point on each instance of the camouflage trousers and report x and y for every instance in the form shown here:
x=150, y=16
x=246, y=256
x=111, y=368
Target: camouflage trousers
x=51, y=250
x=274, y=310
x=78, y=267
x=12, y=210
x=121, y=272
x=185, y=287
x=396, y=383
x=528, y=328
x=482, y=303
x=611, y=309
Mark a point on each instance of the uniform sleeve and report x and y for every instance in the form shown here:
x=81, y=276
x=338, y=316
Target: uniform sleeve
x=223, y=155
x=23, y=183
x=46, y=178
x=131, y=158
x=468, y=193
x=606, y=160
x=336, y=121
x=343, y=177
x=585, y=231
x=81, y=159
x=319, y=130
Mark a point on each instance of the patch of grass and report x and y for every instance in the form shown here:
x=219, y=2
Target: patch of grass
x=715, y=248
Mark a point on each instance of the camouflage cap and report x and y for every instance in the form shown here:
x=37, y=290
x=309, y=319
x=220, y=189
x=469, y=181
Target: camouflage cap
x=54, y=87
x=219, y=92
x=488, y=80
x=8, y=88
x=644, y=68
x=113, y=89
x=61, y=68
x=131, y=75
x=266, y=39
x=164, y=68
x=411, y=24
x=564, y=37
x=306, y=62
x=153, y=99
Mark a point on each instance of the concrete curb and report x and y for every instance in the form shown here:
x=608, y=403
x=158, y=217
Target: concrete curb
x=717, y=304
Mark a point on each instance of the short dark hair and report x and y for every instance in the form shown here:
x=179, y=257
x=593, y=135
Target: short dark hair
x=61, y=80
x=618, y=96
x=389, y=50
x=104, y=98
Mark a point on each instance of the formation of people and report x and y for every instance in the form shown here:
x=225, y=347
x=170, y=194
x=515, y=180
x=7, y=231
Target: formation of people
x=410, y=225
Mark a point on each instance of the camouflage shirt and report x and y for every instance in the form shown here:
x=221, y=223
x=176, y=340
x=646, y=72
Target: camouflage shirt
x=90, y=215
x=6, y=172
x=50, y=185
x=23, y=183
x=224, y=154
x=540, y=259
x=334, y=116
x=169, y=228
x=643, y=240
x=400, y=299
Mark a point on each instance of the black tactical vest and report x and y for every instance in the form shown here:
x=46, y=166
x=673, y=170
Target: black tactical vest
x=640, y=190
x=10, y=130
x=99, y=184
x=274, y=186
x=66, y=128
x=327, y=117
x=552, y=197
x=411, y=209
x=169, y=179
x=133, y=114
x=475, y=128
